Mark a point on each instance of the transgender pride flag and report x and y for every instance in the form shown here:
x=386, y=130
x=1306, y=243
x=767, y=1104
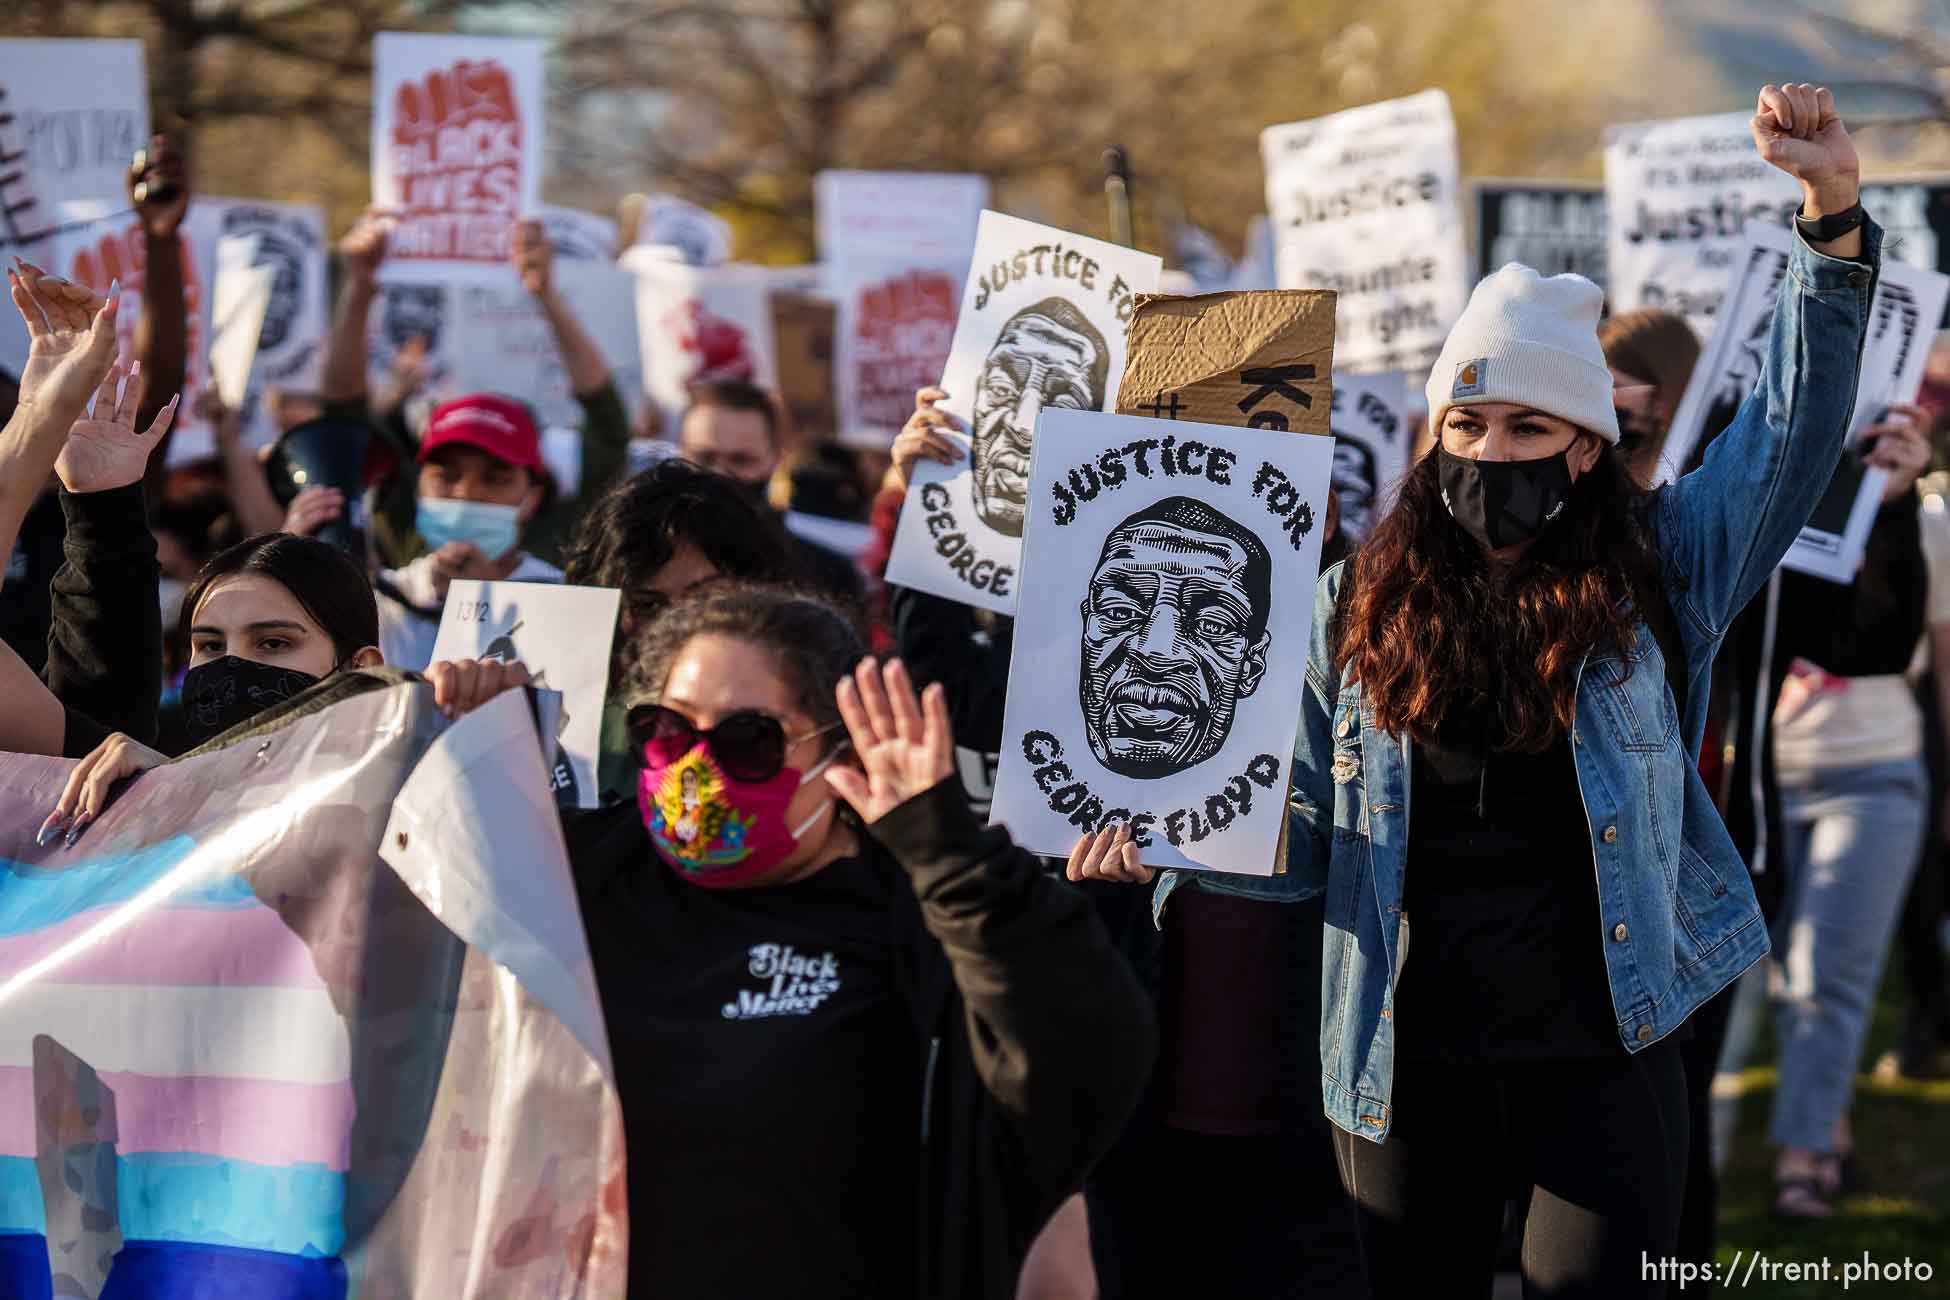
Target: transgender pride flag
x=244, y=1052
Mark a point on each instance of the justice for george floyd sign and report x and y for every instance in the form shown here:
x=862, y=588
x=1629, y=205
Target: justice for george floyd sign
x=1366, y=203
x=1042, y=330
x=457, y=139
x=1167, y=596
x=1682, y=195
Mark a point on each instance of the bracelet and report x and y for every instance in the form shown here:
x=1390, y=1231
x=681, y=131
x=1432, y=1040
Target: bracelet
x=1831, y=227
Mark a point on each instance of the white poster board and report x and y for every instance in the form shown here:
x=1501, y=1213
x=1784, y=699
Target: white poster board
x=1161, y=641
x=458, y=128
x=1681, y=196
x=238, y=308
x=700, y=324
x=73, y=113
x=1042, y=329
x=1373, y=435
x=1367, y=203
x=578, y=236
x=563, y=635
x=896, y=246
x=499, y=341
x=700, y=237
x=420, y=300
x=288, y=239
x=1902, y=318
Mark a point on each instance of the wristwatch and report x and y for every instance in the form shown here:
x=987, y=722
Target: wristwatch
x=1831, y=227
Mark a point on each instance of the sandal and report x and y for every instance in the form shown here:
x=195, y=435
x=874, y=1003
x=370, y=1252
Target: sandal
x=1800, y=1198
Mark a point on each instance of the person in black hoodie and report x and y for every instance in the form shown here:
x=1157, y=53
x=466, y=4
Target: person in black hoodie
x=848, y=1023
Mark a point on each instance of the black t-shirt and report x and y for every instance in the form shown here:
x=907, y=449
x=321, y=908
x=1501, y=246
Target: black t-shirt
x=770, y=1079
x=1505, y=959
x=1222, y=1014
x=26, y=604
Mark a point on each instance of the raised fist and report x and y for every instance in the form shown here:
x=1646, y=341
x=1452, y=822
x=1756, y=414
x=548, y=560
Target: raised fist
x=1797, y=129
x=159, y=188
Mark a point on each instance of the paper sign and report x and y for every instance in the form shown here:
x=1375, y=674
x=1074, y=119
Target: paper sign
x=802, y=329
x=697, y=325
x=457, y=140
x=73, y=113
x=1263, y=359
x=563, y=635
x=288, y=240
x=1041, y=329
x=578, y=236
x=699, y=237
x=1682, y=195
x=499, y=340
x=242, y=297
x=1366, y=203
x=1914, y=213
x=1901, y=320
x=1553, y=227
x=1374, y=434
x=417, y=304
x=1161, y=639
x=896, y=246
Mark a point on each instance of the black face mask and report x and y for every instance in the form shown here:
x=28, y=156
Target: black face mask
x=1504, y=502
x=224, y=692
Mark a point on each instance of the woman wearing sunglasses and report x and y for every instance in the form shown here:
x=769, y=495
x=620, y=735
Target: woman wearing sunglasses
x=844, y=1016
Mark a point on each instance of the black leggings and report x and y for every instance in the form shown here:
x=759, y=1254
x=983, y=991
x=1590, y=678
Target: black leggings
x=1600, y=1146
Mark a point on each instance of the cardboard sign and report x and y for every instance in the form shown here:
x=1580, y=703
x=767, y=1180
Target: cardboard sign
x=240, y=303
x=1553, y=227
x=1161, y=640
x=500, y=341
x=1367, y=203
x=458, y=132
x=1901, y=320
x=1682, y=196
x=563, y=635
x=1374, y=436
x=896, y=246
x=802, y=330
x=1263, y=359
x=1041, y=329
x=72, y=116
x=699, y=324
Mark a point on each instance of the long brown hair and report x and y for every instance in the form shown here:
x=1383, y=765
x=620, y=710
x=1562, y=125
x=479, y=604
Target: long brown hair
x=1427, y=624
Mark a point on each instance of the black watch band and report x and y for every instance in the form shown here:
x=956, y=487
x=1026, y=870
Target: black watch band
x=1831, y=227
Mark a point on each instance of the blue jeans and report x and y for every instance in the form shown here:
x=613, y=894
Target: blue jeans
x=1853, y=835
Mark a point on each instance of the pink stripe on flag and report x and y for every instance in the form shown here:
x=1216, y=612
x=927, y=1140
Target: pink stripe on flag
x=248, y=947
x=264, y=1122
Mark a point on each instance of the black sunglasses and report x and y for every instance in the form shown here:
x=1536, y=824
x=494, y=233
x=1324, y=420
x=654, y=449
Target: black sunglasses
x=749, y=745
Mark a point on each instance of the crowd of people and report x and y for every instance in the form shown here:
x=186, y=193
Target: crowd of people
x=1659, y=786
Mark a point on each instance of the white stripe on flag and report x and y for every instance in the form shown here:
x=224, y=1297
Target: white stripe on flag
x=282, y=1034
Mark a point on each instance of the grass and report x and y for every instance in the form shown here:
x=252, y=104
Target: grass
x=1902, y=1135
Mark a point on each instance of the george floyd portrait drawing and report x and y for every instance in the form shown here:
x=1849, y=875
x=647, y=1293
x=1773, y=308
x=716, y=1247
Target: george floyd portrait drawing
x=1174, y=637
x=1048, y=355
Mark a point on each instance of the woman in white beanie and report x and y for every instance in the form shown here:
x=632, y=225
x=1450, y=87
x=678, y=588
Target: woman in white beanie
x=1506, y=689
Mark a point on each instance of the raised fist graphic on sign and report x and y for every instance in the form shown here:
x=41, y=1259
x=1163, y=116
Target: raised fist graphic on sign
x=457, y=150
x=122, y=255
x=717, y=346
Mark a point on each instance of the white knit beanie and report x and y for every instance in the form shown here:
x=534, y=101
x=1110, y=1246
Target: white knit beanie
x=1531, y=341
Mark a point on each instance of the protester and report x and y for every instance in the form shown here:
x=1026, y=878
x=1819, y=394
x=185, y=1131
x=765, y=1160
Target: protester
x=733, y=427
x=396, y=513
x=655, y=536
x=872, y=1025
x=1849, y=755
x=1577, y=619
x=1651, y=354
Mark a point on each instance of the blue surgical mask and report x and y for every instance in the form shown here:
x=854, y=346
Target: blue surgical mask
x=494, y=530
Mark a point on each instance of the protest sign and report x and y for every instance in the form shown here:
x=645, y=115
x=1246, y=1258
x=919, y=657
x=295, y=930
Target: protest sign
x=578, y=236
x=241, y=299
x=1901, y=319
x=413, y=325
x=1682, y=196
x=498, y=340
x=457, y=141
x=895, y=246
x=288, y=239
x=1263, y=359
x=698, y=325
x=1914, y=213
x=1366, y=203
x=802, y=330
x=1374, y=434
x=72, y=116
x=312, y=1012
x=563, y=635
x=698, y=236
x=1161, y=639
x=1041, y=329
x=1553, y=227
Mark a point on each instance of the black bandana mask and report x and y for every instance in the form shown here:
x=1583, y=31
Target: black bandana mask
x=224, y=692
x=1505, y=502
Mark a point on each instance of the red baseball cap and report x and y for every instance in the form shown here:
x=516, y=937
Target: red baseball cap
x=499, y=426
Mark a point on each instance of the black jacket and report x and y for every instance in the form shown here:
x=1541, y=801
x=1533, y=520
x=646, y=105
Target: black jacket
x=1864, y=629
x=1035, y=1035
x=104, y=647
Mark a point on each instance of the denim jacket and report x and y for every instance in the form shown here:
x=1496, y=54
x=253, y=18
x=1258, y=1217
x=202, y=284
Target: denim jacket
x=1678, y=920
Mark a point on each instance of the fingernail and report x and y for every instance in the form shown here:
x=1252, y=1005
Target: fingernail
x=135, y=367
x=115, y=287
x=56, y=822
x=80, y=824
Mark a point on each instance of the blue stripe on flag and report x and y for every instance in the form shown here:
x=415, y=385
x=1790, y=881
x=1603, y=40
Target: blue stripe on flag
x=21, y=1207
x=24, y=1273
x=176, y=1197
x=166, y=1270
x=32, y=898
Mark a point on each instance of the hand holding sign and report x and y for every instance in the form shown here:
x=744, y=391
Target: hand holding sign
x=533, y=258
x=1797, y=130
x=921, y=438
x=159, y=188
x=1899, y=448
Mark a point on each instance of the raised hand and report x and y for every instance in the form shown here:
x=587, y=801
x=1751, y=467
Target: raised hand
x=71, y=341
x=159, y=188
x=103, y=450
x=905, y=745
x=363, y=249
x=533, y=258
x=1797, y=129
